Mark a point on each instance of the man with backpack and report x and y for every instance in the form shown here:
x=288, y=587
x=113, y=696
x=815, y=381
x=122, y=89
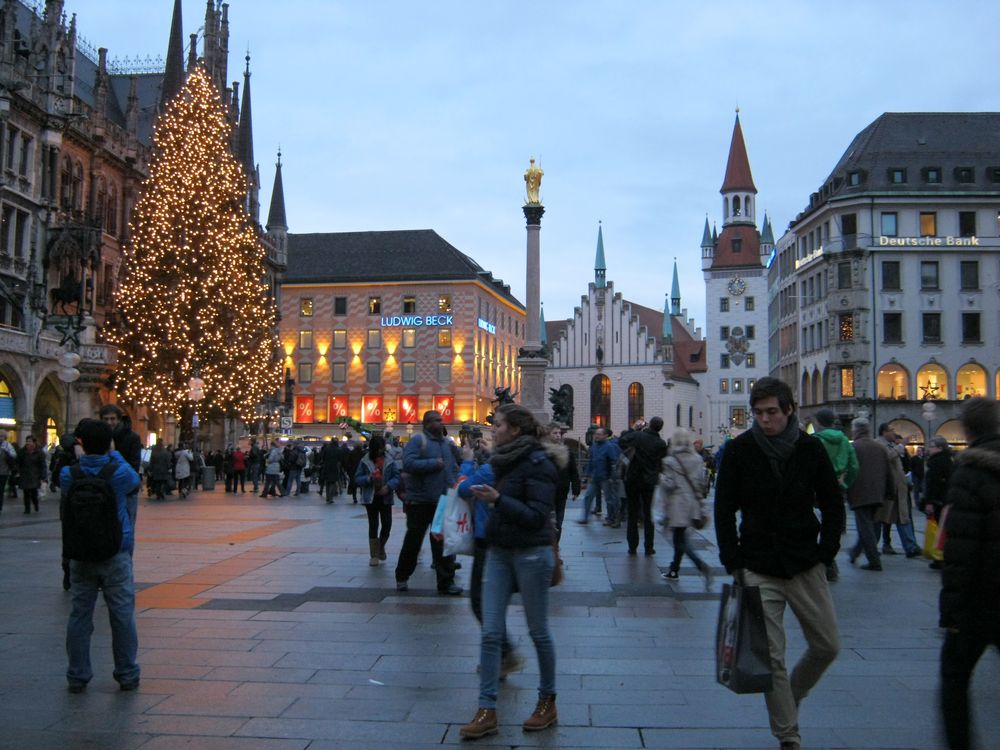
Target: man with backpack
x=98, y=539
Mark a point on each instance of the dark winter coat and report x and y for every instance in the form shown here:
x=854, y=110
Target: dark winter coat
x=329, y=466
x=426, y=480
x=129, y=445
x=650, y=450
x=568, y=477
x=874, y=480
x=527, y=487
x=31, y=468
x=160, y=465
x=970, y=593
x=937, y=476
x=779, y=534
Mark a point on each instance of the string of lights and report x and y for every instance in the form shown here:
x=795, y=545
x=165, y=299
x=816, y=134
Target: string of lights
x=194, y=297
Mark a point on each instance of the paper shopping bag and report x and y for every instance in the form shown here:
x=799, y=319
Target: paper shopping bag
x=742, y=661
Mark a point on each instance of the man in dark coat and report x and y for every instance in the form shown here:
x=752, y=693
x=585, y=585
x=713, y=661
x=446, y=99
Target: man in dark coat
x=645, y=464
x=774, y=476
x=970, y=593
x=866, y=494
x=129, y=445
x=329, y=470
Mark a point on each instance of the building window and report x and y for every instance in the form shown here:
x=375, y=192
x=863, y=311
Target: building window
x=677, y=417
x=844, y=275
x=892, y=328
x=737, y=385
x=444, y=337
x=737, y=245
x=890, y=275
x=340, y=338
x=724, y=333
x=305, y=373
x=929, y=275
x=340, y=305
x=928, y=224
x=724, y=304
x=636, y=402
x=306, y=307
x=690, y=416
x=724, y=361
x=600, y=400
x=751, y=360
x=932, y=382
x=890, y=226
x=932, y=175
x=409, y=372
x=738, y=416
x=374, y=305
x=748, y=304
x=724, y=385
x=751, y=332
x=853, y=179
x=305, y=339
x=966, y=223
x=409, y=338
x=374, y=338
x=969, y=272
x=965, y=174
x=892, y=382
x=373, y=372
x=970, y=328
x=932, y=328
x=338, y=372
x=444, y=303
x=897, y=176
x=409, y=304
x=846, y=326
x=847, y=382
x=444, y=372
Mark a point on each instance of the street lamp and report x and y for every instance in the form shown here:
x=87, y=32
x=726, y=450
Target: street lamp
x=68, y=373
x=928, y=410
x=196, y=392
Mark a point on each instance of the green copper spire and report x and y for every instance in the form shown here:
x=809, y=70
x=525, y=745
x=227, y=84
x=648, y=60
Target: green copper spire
x=706, y=236
x=767, y=236
x=600, y=267
x=675, y=293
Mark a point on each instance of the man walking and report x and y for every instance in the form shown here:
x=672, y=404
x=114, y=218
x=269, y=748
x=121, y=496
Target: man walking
x=896, y=507
x=775, y=476
x=602, y=470
x=970, y=594
x=868, y=491
x=329, y=470
x=643, y=473
x=843, y=459
x=430, y=468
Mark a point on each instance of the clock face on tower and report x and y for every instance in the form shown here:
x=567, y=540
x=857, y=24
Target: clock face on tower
x=737, y=286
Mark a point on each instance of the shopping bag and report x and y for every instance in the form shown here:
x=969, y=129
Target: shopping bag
x=437, y=523
x=459, y=538
x=931, y=533
x=742, y=661
x=941, y=535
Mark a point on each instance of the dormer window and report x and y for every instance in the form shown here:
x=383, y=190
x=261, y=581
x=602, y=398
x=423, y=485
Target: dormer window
x=737, y=244
x=965, y=174
x=853, y=179
x=897, y=175
x=932, y=175
x=994, y=173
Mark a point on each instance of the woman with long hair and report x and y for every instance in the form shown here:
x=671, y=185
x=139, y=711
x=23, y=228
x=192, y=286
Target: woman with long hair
x=520, y=534
x=684, y=486
x=377, y=477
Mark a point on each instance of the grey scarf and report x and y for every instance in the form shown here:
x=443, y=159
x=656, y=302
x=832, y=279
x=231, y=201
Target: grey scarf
x=506, y=455
x=778, y=448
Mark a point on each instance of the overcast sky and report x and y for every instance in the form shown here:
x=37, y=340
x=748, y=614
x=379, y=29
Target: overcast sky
x=404, y=115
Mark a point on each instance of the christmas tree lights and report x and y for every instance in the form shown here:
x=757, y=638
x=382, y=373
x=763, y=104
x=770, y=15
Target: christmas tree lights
x=194, y=297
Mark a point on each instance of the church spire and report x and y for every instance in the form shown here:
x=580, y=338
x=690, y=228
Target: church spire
x=706, y=236
x=542, y=336
x=675, y=293
x=173, y=76
x=600, y=267
x=738, y=191
x=244, y=146
x=276, y=215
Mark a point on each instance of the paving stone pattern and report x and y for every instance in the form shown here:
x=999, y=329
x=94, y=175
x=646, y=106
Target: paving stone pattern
x=262, y=627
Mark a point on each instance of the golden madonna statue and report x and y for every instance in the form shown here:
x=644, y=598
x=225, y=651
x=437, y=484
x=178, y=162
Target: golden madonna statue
x=533, y=182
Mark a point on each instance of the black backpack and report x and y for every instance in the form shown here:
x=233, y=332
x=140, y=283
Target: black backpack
x=91, y=529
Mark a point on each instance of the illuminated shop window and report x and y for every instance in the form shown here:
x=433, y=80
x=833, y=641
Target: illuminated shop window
x=444, y=303
x=306, y=307
x=374, y=305
x=847, y=382
x=892, y=382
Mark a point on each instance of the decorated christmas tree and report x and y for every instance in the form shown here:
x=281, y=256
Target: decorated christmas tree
x=194, y=297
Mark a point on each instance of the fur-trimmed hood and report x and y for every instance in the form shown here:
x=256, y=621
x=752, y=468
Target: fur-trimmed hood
x=558, y=454
x=984, y=454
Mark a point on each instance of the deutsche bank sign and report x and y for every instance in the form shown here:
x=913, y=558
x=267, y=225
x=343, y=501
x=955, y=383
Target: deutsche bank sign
x=487, y=326
x=417, y=320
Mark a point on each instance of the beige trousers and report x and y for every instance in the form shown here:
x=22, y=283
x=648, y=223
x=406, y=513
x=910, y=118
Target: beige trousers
x=808, y=595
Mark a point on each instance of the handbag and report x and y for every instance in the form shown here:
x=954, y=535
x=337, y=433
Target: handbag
x=742, y=659
x=942, y=536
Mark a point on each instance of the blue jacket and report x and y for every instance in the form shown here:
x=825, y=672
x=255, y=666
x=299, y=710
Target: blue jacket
x=123, y=483
x=604, y=457
x=482, y=474
x=426, y=481
x=363, y=477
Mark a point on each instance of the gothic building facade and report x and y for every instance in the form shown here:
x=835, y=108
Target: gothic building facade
x=75, y=146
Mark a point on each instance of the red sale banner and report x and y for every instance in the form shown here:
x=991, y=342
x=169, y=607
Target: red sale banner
x=445, y=406
x=304, y=409
x=338, y=408
x=371, y=408
x=409, y=411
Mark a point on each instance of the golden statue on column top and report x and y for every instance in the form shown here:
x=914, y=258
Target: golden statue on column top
x=533, y=182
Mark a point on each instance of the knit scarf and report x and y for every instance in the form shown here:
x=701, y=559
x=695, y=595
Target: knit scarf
x=777, y=448
x=508, y=454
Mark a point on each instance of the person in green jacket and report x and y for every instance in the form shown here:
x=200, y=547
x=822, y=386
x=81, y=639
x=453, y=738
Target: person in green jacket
x=842, y=456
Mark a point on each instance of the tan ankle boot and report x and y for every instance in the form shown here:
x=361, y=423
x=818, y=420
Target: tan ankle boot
x=381, y=551
x=544, y=715
x=482, y=724
x=373, y=552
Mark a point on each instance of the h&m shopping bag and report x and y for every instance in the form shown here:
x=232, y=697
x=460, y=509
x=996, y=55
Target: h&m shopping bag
x=459, y=538
x=742, y=661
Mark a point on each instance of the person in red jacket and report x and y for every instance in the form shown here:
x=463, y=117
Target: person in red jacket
x=239, y=469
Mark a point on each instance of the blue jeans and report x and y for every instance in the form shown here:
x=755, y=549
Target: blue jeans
x=114, y=578
x=531, y=569
x=907, y=536
x=294, y=475
x=609, y=489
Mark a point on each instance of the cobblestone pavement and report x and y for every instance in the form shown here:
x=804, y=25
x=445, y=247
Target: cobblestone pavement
x=262, y=626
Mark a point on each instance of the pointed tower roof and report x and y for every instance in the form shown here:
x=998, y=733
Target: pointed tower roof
x=738, y=175
x=600, y=266
x=668, y=326
x=276, y=214
x=245, y=145
x=675, y=293
x=173, y=76
x=706, y=237
x=544, y=338
x=767, y=235
x=715, y=234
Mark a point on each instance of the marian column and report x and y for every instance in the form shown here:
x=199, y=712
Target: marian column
x=533, y=359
